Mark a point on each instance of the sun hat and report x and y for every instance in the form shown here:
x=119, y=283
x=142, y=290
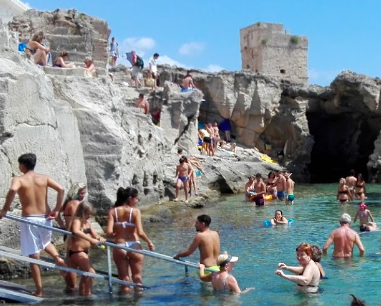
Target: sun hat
x=225, y=258
x=345, y=218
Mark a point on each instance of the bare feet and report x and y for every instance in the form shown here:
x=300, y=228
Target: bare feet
x=38, y=293
x=176, y=200
x=186, y=201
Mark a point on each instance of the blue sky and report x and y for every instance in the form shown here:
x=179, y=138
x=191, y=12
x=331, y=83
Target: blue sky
x=204, y=34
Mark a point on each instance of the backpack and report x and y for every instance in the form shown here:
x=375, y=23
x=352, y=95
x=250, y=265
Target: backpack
x=139, y=62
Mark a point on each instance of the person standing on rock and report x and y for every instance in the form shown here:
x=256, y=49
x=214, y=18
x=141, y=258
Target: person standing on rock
x=153, y=70
x=143, y=104
x=207, y=242
x=114, y=52
x=32, y=189
x=183, y=171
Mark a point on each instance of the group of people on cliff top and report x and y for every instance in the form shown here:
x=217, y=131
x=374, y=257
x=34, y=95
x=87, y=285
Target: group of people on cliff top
x=209, y=139
x=124, y=225
x=278, y=185
x=36, y=50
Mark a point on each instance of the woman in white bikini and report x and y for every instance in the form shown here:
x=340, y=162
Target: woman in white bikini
x=125, y=225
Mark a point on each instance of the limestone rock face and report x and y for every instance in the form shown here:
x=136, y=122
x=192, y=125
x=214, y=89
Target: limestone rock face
x=77, y=33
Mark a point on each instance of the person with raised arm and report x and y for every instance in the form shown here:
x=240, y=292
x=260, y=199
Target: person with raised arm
x=32, y=189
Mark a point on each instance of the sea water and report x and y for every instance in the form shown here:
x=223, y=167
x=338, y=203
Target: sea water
x=242, y=232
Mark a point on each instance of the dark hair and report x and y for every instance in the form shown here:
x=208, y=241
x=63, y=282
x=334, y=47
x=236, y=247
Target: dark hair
x=360, y=176
x=204, y=219
x=182, y=159
x=28, y=160
x=281, y=212
x=316, y=253
x=189, y=72
x=352, y=172
x=179, y=151
x=258, y=175
x=356, y=301
x=270, y=174
x=112, y=38
x=141, y=95
x=123, y=194
x=156, y=54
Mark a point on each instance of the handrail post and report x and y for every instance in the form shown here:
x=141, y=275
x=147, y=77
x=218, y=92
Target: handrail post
x=109, y=270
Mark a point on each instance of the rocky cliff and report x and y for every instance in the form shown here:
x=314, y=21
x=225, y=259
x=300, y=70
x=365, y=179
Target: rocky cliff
x=323, y=131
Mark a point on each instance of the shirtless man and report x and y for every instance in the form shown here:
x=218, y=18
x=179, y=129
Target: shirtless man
x=249, y=188
x=143, y=104
x=351, y=181
x=289, y=188
x=207, y=241
x=260, y=190
x=183, y=171
x=280, y=186
x=187, y=83
x=344, y=239
x=32, y=190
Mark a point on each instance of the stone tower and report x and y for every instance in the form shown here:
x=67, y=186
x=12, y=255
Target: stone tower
x=268, y=49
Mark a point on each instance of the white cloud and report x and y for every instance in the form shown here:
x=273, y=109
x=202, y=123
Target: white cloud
x=139, y=45
x=214, y=68
x=191, y=48
x=320, y=77
x=164, y=59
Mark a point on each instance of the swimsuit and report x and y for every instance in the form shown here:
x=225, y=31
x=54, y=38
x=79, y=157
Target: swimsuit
x=130, y=244
x=33, y=239
x=124, y=223
x=183, y=178
x=259, y=200
x=290, y=197
x=343, y=200
x=213, y=268
x=223, y=280
x=57, y=65
x=33, y=51
x=76, y=252
x=281, y=194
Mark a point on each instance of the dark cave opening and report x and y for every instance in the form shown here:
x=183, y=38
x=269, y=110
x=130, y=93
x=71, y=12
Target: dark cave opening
x=342, y=142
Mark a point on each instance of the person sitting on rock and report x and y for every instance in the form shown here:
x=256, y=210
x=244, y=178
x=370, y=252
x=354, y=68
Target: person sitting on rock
x=36, y=51
x=90, y=69
x=187, y=83
x=60, y=61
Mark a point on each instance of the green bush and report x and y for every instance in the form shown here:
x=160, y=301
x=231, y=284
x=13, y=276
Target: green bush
x=294, y=40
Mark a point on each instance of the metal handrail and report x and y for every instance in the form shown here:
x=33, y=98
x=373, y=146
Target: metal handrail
x=111, y=244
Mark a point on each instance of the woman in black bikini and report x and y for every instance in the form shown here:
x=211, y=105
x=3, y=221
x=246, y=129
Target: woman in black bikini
x=80, y=243
x=343, y=194
x=75, y=196
x=35, y=50
x=360, y=188
x=271, y=183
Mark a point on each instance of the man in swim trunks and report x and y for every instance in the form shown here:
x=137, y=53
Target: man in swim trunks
x=207, y=241
x=351, y=181
x=32, y=190
x=289, y=188
x=187, y=83
x=183, y=172
x=280, y=185
x=344, y=238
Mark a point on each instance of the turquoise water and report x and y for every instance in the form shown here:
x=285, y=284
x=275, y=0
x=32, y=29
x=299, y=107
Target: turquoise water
x=242, y=233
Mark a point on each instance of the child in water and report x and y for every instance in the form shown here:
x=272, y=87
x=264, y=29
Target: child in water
x=363, y=214
x=79, y=244
x=316, y=257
